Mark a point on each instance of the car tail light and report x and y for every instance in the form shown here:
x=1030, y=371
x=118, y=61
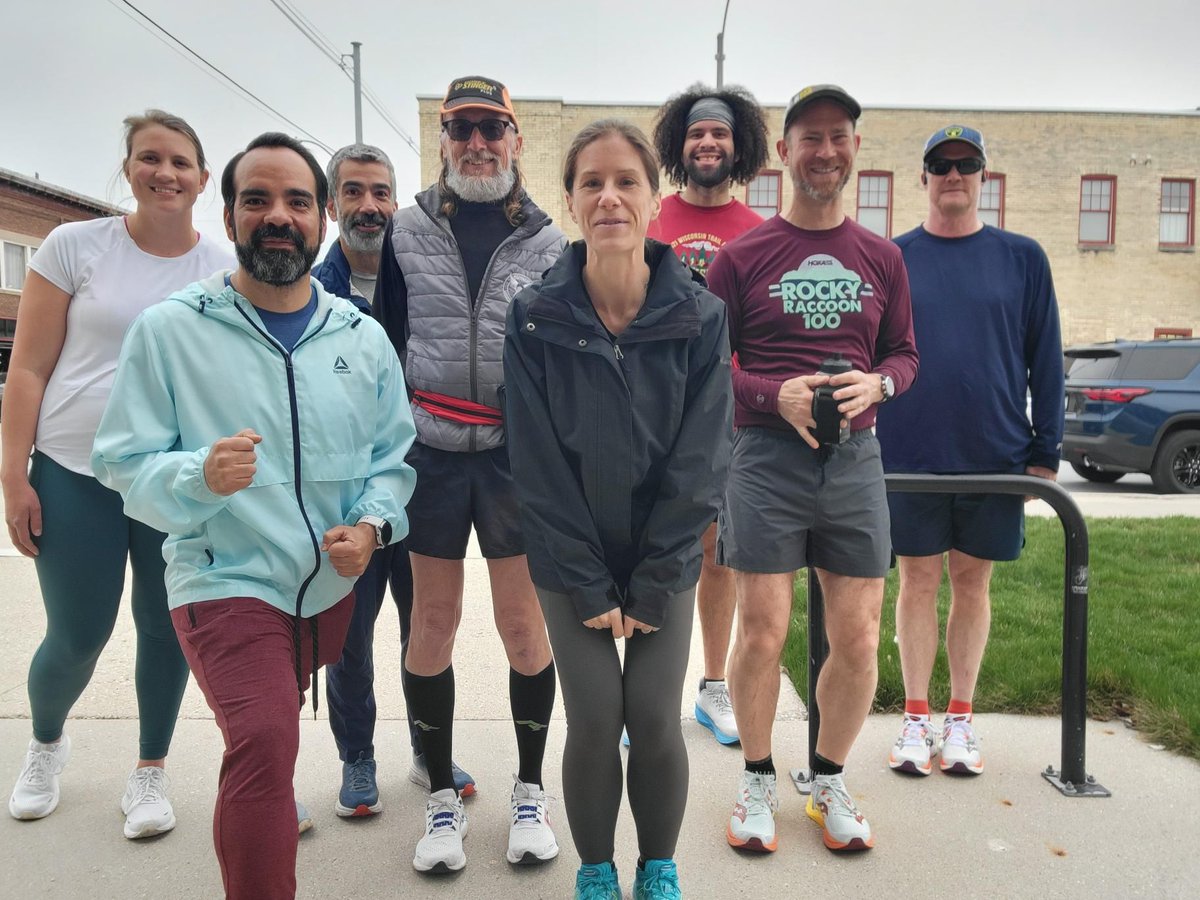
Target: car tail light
x=1114, y=395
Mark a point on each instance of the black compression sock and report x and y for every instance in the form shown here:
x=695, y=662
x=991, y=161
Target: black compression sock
x=431, y=702
x=761, y=766
x=531, y=698
x=823, y=766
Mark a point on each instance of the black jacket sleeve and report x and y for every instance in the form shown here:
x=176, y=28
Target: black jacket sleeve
x=693, y=483
x=559, y=530
x=390, y=308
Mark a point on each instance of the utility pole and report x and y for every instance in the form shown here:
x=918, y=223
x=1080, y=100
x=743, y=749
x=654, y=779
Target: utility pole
x=357, y=45
x=721, y=49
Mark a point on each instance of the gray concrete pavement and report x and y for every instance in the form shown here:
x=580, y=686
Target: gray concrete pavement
x=1005, y=834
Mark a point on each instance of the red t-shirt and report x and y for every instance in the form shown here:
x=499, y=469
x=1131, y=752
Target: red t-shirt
x=696, y=233
x=797, y=297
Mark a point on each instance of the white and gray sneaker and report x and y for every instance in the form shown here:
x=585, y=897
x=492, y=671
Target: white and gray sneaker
x=714, y=710
x=35, y=795
x=147, y=810
x=441, y=849
x=530, y=839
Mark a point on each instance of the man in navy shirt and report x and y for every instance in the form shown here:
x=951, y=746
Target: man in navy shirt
x=986, y=324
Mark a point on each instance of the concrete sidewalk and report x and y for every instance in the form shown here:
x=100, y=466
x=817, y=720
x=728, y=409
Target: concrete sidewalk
x=1006, y=834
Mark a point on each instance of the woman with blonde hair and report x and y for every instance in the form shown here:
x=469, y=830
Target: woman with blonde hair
x=85, y=284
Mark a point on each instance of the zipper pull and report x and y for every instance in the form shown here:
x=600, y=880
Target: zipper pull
x=617, y=350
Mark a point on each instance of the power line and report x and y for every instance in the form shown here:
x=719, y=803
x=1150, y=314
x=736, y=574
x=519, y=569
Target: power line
x=213, y=70
x=331, y=52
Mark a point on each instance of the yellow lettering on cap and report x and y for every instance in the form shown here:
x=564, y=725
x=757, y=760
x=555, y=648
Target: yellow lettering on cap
x=483, y=86
x=953, y=132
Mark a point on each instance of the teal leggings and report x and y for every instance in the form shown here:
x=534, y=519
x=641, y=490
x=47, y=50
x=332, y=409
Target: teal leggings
x=86, y=538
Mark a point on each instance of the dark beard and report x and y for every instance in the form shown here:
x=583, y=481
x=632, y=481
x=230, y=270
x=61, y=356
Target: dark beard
x=711, y=179
x=278, y=268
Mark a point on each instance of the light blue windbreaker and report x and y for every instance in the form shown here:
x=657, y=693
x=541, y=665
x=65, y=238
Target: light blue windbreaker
x=335, y=424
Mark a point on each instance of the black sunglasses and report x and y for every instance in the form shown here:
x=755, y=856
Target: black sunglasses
x=489, y=129
x=942, y=166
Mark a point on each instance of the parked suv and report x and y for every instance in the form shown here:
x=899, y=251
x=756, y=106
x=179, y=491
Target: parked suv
x=1134, y=406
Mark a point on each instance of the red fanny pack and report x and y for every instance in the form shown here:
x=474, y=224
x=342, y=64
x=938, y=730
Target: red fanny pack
x=456, y=409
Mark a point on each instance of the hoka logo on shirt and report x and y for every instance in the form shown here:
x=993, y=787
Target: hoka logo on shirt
x=822, y=291
x=340, y=367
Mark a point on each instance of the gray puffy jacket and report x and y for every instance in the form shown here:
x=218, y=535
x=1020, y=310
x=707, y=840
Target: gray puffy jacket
x=455, y=346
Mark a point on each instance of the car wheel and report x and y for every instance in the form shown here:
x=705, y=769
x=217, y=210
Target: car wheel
x=1091, y=473
x=1176, y=468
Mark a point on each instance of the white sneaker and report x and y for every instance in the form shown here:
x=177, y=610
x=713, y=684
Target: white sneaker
x=914, y=749
x=714, y=710
x=441, y=849
x=530, y=839
x=35, y=795
x=145, y=804
x=843, y=827
x=960, y=746
x=752, y=824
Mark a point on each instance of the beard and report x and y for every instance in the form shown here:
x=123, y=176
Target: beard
x=360, y=242
x=821, y=195
x=709, y=178
x=480, y=188
x=276, y=267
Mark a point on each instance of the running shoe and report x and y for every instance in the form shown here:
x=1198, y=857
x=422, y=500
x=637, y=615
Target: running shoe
x=843, y=827
x=35, y=795
x=658, y=880
x=359, y=795
x=530, y=839
x=752, y=824
x=304, y=821
x=418, y=774
x=960, y=746
x=597, y=882
x=714, y=710
x=914, y=748
x=441, y=849
x=147, y=810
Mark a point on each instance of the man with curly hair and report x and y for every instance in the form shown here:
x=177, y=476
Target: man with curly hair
x=708, y=141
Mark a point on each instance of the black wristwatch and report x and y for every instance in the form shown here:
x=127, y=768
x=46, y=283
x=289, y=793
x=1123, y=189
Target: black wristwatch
x=383, y=530
x=887, y=387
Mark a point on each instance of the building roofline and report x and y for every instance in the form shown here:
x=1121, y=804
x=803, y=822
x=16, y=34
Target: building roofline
x=882, y=106
x=46, y=189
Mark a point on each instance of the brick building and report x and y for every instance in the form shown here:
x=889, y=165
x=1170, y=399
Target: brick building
x=29, y=210
x=1110, y=195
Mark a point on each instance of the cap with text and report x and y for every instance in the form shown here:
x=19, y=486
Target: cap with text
x=478, y=92
x=961, y=133
x=815, y=92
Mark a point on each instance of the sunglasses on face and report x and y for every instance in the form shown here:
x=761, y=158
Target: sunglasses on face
x=941, y=166
x=489, y=129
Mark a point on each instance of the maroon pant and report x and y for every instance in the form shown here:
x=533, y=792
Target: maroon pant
x=241, y=651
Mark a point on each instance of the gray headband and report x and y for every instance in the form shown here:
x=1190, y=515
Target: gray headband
x=710, y=108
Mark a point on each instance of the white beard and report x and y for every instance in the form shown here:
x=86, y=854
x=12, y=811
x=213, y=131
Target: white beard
x=481, y=189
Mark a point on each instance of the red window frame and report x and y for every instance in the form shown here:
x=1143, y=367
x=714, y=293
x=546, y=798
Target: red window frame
x=777, y=174
x=858, y=201
x=1191, y=213
x=1000, y=181
x=1112, y=210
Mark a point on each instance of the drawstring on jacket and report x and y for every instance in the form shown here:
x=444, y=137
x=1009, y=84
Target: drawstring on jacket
x=296, y=647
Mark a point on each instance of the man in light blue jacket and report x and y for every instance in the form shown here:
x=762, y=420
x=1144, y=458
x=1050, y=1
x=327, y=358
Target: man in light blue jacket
x=262, y=424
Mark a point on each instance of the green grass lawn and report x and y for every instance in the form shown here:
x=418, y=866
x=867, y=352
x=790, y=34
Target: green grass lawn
x=1143, y=630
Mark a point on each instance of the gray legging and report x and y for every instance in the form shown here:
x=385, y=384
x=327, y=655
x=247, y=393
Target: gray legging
x=600, y=699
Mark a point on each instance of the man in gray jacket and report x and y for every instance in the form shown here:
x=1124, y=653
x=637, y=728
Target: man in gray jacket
x=451, y=265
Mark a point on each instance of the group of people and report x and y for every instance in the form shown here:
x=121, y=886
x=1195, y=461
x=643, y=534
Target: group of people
x=627, y=423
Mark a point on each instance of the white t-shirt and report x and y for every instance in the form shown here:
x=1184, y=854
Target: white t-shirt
x=110, y=280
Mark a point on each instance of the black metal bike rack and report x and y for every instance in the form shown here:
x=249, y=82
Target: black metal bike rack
x=1071, y=778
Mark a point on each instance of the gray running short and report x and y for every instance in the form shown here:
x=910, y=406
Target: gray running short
x=782, y=495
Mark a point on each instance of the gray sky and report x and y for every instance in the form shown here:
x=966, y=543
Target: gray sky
x=77, y=67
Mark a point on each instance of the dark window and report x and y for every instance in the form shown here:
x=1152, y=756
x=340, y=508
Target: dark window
x=1098, y=366
x=1161, y=363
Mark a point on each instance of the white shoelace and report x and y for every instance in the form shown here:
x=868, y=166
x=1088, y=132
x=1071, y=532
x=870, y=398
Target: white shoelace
x=150, y=785
x=915, y=733
x=959, y=732
x=720, y=699
x=439, y=816
x=758, y=796
x=837, y=799
x=39, y=766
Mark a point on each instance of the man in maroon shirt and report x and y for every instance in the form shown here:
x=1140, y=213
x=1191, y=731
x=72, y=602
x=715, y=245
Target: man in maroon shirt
x=709, y=141
x=801, y=288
